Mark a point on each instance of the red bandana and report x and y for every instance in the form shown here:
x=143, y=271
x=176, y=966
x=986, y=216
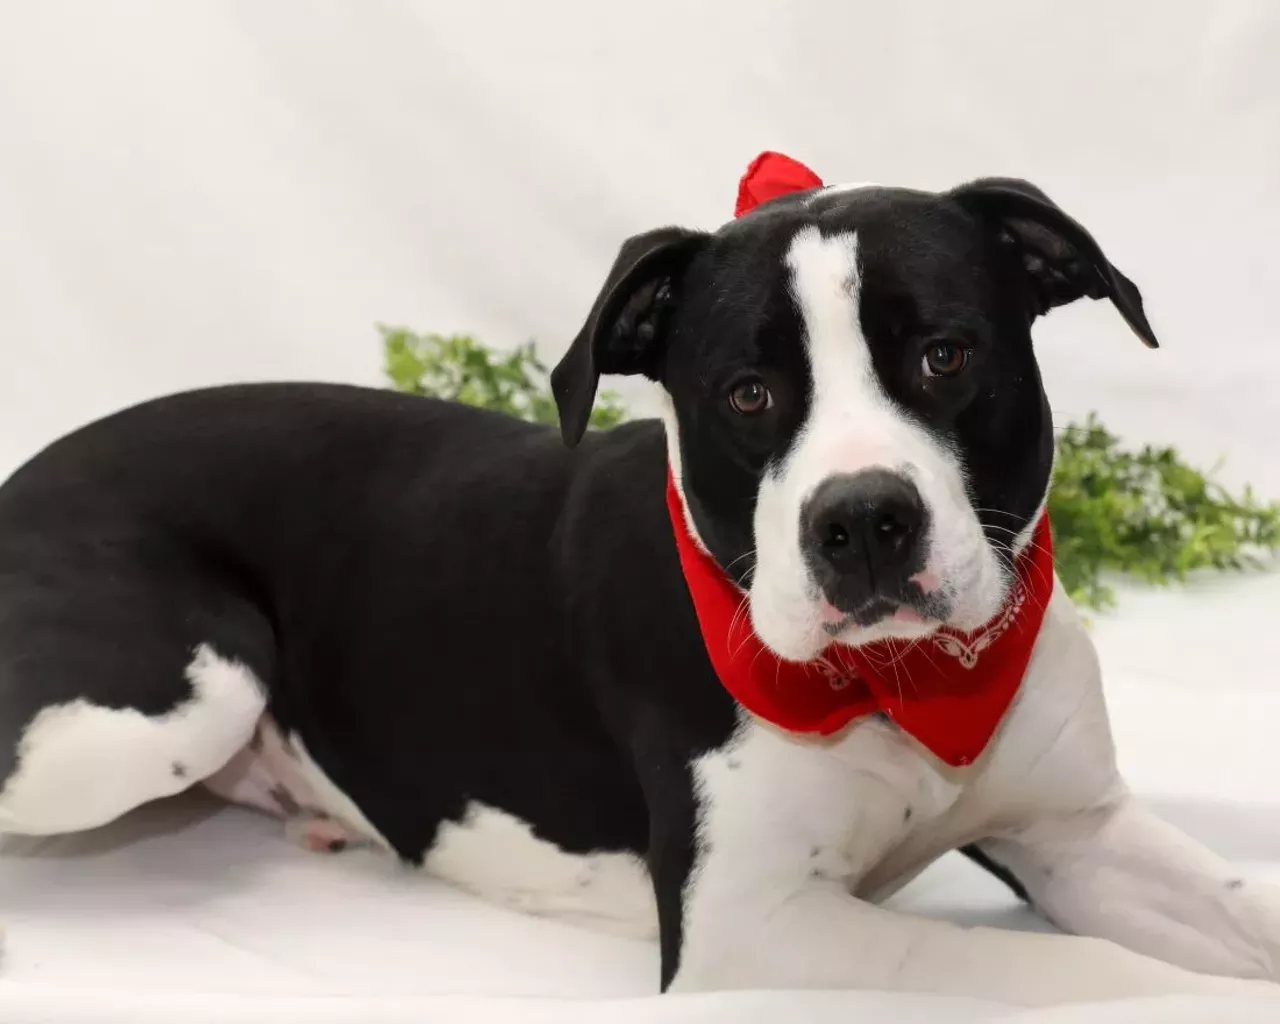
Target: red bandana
x=949, y=690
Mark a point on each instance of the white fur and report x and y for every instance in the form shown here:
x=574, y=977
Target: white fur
x=671, y=425
x=799, y=835
x=852, y=425
x=81, y=765
x=496, y=855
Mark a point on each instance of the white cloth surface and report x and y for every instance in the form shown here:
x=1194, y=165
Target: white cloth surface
x=205, y=912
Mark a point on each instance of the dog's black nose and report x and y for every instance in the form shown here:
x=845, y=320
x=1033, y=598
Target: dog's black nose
x=862, y=534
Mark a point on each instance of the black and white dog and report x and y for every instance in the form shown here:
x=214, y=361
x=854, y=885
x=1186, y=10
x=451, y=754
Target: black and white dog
x=410, y=623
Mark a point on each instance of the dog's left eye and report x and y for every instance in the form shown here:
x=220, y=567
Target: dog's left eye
x=944, y=359
x=750, y=397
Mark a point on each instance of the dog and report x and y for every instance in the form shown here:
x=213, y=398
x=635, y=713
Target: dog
x=515, y=656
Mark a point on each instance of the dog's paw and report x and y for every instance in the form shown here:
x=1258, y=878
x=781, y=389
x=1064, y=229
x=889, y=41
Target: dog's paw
x=320, y=834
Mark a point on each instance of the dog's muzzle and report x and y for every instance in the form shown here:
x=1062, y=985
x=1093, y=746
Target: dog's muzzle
x=864, y=539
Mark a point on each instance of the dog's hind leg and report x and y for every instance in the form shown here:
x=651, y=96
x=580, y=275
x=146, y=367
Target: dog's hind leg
x=128, y=672
x=80, y=764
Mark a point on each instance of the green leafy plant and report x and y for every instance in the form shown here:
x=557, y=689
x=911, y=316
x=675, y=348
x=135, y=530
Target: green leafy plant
x=461, y=368
x=1145, y=513
x=1148, y=514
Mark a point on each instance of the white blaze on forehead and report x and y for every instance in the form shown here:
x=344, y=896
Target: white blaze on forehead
x=848, y=409
x=824, y=280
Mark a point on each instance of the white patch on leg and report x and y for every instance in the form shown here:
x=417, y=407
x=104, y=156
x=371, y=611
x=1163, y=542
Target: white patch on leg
x=852, y=425
x=496, y=856
x=81, y=765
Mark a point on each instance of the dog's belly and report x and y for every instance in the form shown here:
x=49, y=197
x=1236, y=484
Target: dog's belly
x=489, y=853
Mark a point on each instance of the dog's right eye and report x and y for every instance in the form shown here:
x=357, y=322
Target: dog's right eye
x=944, y=359
x=750, y=397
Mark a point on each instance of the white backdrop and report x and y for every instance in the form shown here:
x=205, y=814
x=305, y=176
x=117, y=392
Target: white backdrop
x=200, y=192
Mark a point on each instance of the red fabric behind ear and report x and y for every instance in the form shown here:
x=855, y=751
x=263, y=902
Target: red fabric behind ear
x=771, y=175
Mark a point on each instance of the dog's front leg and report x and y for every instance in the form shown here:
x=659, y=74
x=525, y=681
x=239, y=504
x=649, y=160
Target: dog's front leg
x=1121, y=873
x=761, y=899
x=818, y=936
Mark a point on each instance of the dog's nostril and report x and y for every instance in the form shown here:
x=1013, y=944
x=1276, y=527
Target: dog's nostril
x=892, y=529
x=836, y=536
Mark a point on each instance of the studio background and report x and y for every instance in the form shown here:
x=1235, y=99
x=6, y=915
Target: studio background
x=200, y=192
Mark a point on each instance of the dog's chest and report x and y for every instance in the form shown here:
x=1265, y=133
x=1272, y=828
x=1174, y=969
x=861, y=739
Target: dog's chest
x=906, y=809
x=866, y=805
x=870, y=808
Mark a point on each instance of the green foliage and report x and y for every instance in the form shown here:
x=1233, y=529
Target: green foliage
x=461, y=368
x=1145, y=513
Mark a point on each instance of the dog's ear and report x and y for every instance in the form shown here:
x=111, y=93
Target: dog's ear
x=624, y=332
x=1062, y=261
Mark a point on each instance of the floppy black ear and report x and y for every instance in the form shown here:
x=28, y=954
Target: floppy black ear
x=1062, y=260
x=625, y=330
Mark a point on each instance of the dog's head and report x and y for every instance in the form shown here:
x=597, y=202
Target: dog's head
x=855, y=416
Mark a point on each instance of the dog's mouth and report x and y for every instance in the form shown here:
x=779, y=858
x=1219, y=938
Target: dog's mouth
x=912, y=608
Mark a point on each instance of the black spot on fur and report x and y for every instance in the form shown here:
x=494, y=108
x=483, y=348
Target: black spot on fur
x=907, y=812
x=815, y=853
x=1235, y=883
x=179, y=770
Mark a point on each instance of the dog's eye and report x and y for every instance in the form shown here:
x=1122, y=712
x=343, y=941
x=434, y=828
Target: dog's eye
x=944, y=359
x=750, y=397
